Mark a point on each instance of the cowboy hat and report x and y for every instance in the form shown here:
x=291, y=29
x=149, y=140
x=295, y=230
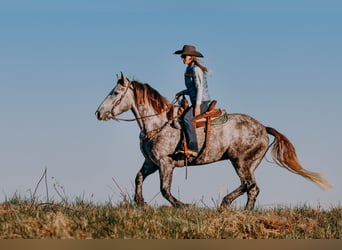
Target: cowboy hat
x=189, y=50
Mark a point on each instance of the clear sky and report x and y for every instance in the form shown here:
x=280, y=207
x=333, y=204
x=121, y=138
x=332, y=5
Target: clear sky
x=278, y=61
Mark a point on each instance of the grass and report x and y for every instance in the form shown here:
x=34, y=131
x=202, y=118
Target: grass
x=20, y=218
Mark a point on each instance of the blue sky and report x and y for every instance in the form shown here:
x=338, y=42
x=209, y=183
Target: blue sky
x=278, y=61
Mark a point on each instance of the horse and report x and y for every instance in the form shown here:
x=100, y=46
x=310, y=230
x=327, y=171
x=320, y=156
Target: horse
x=242, y=140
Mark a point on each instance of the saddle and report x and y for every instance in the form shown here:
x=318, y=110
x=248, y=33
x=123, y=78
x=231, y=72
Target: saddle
x=207, y=119
x=211, y=117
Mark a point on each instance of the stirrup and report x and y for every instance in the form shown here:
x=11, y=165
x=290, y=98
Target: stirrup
x=187, y=153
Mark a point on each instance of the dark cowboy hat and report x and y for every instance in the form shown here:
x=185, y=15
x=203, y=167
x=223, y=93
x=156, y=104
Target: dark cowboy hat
x=188, y=50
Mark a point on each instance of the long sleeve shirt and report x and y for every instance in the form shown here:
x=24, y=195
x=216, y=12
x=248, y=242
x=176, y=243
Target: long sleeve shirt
x=196, y=84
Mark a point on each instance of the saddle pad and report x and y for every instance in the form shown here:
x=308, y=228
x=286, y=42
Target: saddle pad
x=218, y=120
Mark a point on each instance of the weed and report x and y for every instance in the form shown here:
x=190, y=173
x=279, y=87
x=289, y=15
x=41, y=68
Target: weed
x=20, y=218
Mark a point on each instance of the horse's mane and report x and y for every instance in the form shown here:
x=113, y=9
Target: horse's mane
x=145, y=94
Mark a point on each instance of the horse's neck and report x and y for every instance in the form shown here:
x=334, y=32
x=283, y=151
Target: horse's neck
x=147, y=118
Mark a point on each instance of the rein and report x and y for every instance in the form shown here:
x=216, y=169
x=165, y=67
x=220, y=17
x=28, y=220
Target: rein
x=142, y=117
x=149, y=134
x=133, y=119
x=137, y=118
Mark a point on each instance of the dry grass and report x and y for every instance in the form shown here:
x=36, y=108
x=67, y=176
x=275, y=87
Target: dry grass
x=82, y=220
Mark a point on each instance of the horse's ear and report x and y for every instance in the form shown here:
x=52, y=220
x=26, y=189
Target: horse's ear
x=122, y=79
x=126, y=81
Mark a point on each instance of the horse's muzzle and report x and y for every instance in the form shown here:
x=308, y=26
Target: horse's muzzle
x=101, y=117
x=104, y=117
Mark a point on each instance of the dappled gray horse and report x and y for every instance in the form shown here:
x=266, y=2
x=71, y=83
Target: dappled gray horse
x=242, y=140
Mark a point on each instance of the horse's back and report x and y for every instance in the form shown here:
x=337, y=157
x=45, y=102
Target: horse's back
x=246, y=122
x=241, y=125
x=245, y=134
x=241, y=133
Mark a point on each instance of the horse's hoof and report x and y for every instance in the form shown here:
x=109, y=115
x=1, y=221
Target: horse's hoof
x=183, y=205
x=142, y=204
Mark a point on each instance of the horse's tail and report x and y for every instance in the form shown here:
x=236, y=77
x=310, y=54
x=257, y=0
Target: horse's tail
x=284, y=154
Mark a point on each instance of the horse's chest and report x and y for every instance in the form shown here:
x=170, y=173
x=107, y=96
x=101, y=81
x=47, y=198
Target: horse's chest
x=145, y=147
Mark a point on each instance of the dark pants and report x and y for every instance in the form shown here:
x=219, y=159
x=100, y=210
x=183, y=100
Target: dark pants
x=190, y=131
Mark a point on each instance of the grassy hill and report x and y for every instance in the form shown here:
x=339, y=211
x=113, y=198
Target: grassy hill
x=82, y=220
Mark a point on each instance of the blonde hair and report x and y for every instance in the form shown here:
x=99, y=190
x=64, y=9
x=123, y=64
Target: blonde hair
x=196, y=61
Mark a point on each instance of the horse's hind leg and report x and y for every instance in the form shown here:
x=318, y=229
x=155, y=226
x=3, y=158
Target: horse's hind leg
x=147, y=168
x=245, y=170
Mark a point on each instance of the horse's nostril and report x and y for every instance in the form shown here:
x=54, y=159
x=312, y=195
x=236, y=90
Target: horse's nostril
x=97, y=114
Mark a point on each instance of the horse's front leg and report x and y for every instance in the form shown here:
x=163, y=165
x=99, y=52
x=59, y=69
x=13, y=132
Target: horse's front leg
x=166, y=173
x=147, y=168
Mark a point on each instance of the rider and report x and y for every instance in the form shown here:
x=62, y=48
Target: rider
x=197, y=90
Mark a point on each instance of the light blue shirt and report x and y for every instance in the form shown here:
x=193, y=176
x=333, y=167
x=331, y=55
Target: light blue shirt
x=196, y=84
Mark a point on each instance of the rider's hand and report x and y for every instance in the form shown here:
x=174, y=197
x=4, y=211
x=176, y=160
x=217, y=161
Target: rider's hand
x=178, y=95
x=197, y=110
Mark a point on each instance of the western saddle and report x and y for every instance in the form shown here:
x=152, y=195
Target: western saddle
x=210, y=117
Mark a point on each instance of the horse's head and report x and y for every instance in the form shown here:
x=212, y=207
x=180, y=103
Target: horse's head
x=118, y=101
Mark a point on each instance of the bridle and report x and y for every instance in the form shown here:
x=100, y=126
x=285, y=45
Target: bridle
x=144, y=135
x=129, y=86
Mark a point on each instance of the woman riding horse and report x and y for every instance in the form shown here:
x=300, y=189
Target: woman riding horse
x=197, y=90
